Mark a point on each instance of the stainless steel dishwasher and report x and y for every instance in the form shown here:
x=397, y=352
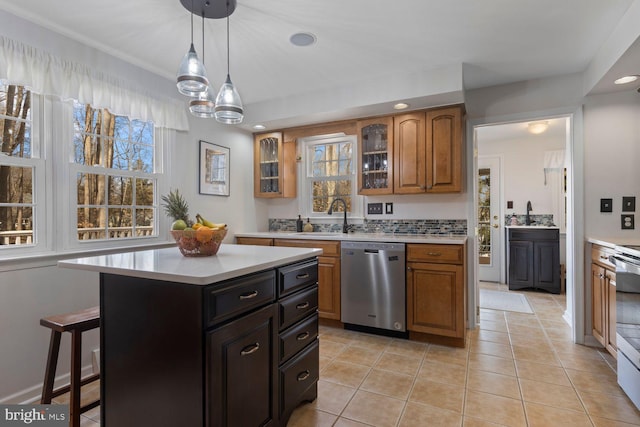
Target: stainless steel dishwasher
x=372, y=284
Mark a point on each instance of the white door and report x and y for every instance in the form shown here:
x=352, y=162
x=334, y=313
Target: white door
x=490, y=224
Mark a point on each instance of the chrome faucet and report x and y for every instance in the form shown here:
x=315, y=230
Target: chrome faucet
x=345, y=226
x=527, y=219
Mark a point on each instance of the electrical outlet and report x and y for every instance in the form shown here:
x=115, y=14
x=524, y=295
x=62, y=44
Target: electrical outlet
x=374, y=208
x=388, y=208
x=627, y=222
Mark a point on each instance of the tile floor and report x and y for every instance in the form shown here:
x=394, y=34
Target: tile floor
x=517, y=370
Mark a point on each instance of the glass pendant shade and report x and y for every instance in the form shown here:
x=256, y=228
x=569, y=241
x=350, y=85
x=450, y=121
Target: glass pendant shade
x=192, y=76
x=204, y=105
x=229, y=108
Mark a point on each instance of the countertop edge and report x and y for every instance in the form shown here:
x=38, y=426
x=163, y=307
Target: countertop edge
x=393, y=238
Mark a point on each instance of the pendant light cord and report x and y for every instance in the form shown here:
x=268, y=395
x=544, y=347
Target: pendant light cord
x=202, y=37
x=192, y=22
x=227, y=37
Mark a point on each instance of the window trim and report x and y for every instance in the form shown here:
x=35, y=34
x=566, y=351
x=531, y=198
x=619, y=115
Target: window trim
x=304, y=184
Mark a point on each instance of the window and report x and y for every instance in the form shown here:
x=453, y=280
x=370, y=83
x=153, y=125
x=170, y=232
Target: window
x=330, y=174
x=19, y=166
x=115, y=180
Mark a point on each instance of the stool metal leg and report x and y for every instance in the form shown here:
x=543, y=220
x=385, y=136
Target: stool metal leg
x=76, y=364
x=52, y=363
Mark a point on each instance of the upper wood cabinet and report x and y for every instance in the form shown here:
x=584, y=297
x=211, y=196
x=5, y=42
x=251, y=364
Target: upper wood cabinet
x=274, y=166
x=375, y=145
x=444, y=150
x=409, y=160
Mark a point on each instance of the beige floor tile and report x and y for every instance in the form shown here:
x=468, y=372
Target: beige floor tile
x=332, y=397
x=88, y=422
x=529, y=340
x=407, y=348
x=540, y=354
x=558, y=396
x=324, y=361
x=374, y=342
x=596, y=365
x=476, y=422
x=388, y=383
x=557, y=334
x=588, y=382
x=489, y=382
x=344, y=422
x=604, y=422
x=305, y=416
x=397, y=363
x=492, y=349
x=540, y=372
x=348, y=374
x=330, y=348
x=446, y=373
x=492, y=336
x=416, y=414
x=444, y=354
x=494, y=408
x=374, y=409
x=445, y=396
x=489, y=363
x=494, y=315
x=612, y=407
x=493, y=325
x=359, y=355
x=546, y=416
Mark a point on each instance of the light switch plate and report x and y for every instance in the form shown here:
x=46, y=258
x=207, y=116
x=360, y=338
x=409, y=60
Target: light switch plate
x=629, y=204
x=606, y=205
x=627, y=222
x=388, y=208
x=374, y=208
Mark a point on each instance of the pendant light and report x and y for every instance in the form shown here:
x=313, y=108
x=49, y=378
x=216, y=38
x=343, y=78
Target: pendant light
x=228, y=108
x=203, y=105
x=192, y=76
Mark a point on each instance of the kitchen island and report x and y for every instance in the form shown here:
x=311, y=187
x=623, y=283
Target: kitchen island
x=209, y=341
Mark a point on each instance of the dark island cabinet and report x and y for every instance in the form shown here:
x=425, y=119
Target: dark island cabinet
x=533, y=258
x=243, y=352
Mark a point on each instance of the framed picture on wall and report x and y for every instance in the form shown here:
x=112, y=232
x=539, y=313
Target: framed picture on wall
x=214, y=169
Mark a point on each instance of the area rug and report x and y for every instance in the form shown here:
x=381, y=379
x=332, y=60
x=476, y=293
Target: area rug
x=507, y=301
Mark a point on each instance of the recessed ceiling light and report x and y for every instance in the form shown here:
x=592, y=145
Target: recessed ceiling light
x=537, y=128
x=626, y=79
x=302, y=39
x=259, y=127
x=400, y=106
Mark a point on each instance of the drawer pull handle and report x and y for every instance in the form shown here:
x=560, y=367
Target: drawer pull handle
x=434, y=253
x=303, y=336
x=249, y=295
x=302, y=276
x=250, y=349
x=303, y=375
x=302, y=306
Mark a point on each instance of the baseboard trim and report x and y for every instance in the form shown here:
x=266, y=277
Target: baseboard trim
x=32, y=394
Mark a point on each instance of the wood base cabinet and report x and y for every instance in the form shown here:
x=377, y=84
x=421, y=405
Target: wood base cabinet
x=436, y=291
x=603, y=298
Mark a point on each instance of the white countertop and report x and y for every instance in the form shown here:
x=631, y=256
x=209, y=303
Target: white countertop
x=362, y=237
x=612, y=242
x=170, y=265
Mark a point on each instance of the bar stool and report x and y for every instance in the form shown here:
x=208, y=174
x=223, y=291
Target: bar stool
x=76, y=323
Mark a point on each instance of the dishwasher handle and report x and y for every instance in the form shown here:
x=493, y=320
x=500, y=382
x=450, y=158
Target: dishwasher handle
x=371, y=251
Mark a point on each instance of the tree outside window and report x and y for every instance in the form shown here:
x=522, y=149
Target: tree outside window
x=330, y=175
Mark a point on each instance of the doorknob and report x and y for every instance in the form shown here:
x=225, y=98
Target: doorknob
x=495, y=217
x=495, y=226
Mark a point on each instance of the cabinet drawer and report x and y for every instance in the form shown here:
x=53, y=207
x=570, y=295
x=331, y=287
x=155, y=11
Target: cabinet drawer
x=298, y=337
x=259, y=241
x=531, y=234
x=600, y=255
x=297, y=276
x=297, y=376
x=329, y=248
x=439, y=254
x=297, y=306
x=240, y=295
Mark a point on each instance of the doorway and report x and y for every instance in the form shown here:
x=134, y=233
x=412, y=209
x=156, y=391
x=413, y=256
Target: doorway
x=512, y=173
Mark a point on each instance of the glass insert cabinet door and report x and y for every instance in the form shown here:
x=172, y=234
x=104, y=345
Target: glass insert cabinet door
x=375, y=143
x=268, y=158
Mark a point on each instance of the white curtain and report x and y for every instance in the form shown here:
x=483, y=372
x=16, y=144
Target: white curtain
x=47, y=74
x=554, y=180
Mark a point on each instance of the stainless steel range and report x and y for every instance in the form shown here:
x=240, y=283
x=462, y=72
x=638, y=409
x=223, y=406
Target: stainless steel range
x=627, y=262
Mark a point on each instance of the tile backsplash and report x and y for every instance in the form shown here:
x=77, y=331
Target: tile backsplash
x=397, y=226
x=539, y=219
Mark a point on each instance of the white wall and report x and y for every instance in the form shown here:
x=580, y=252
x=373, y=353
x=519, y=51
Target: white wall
x=612, y=159
x=523, y=170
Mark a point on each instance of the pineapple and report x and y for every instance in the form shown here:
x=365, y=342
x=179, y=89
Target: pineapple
x=176, y=207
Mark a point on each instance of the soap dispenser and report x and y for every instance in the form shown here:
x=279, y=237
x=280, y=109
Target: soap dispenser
x=308, y=227
x=299, y=224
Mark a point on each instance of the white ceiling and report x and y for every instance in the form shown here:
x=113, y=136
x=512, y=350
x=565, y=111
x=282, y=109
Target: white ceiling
x=498, y=41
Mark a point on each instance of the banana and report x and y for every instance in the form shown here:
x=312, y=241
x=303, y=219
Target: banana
x=203, y=221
